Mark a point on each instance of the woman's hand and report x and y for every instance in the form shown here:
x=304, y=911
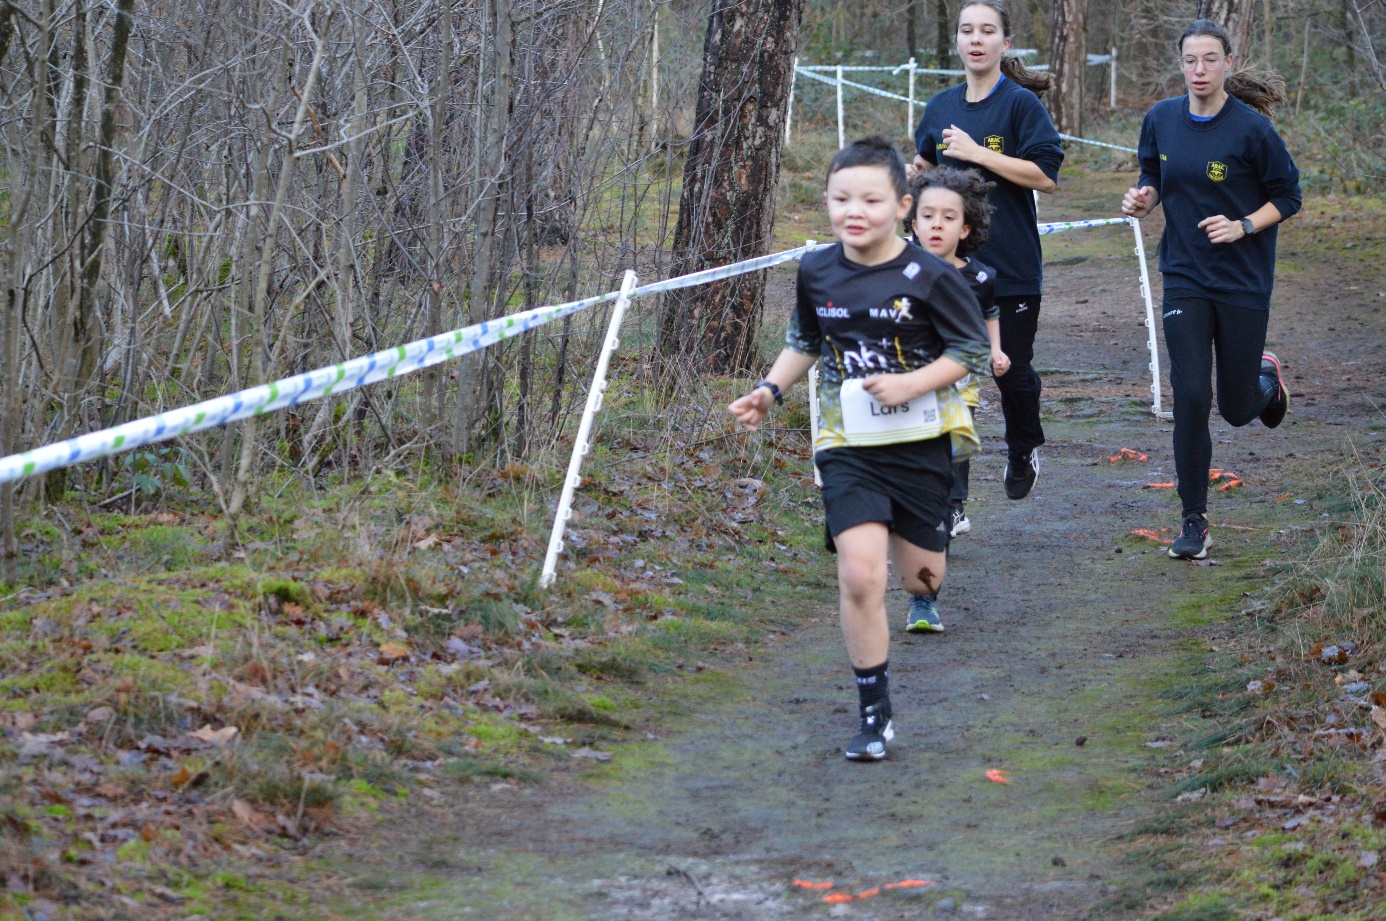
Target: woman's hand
x=1138, y=203
x=890, y=389
x=1000, y=362
x=752, y=408
x=959, y=145
x=1221, y=230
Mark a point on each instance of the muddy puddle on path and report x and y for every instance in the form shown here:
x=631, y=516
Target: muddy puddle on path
x=1052, y=636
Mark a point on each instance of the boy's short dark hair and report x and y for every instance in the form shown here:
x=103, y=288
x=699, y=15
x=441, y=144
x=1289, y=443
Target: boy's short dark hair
x=874, y=150
x=971, y=188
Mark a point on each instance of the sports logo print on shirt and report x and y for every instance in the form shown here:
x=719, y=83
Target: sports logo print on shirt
x=866, y=360
x=996, y=142
x=897, y=311
x=1217, y=171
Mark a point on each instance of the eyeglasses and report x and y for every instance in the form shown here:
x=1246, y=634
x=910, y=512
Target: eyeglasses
x=1208, y=61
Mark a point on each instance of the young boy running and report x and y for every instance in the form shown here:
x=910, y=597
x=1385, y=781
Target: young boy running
x=895, y=329
x=951, y=219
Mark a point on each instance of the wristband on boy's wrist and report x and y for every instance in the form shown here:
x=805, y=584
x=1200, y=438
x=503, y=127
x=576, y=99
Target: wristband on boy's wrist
x=774, y=390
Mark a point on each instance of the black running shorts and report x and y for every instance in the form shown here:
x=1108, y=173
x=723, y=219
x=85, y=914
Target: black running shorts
x=905, y=486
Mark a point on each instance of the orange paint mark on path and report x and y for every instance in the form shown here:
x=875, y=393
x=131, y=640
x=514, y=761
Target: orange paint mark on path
x=1230, y=484
x=809, y=884
x=1126, y=454
x=1152, y=535
x=1159, y=485
x=837, y=898
x=909, y=884
x=997, y=776
x=873, y=891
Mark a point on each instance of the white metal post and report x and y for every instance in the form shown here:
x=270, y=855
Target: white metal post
x=1155, y=406
x=813, y=419
x=909, y=129
x=841, y=131
x=789, y=112
x=1112, y=87
x=581, y=445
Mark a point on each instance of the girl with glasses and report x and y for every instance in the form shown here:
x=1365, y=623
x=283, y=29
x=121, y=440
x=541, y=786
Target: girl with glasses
x=1216, y=164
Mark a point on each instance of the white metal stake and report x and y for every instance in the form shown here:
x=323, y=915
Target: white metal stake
x=841, y=131
x=789, y=112
x=813, y=418
x=909, y=129
x=581, y=445
x=1112, y=85
x=1156, y=407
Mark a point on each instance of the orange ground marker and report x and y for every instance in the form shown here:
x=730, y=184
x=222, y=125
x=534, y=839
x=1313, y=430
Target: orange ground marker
x=873, y=891
x=908, y=884
x=1169, y=485
x=997, y=776
x=1230, y=484
x=809, y=884
x=1282, y=496
x=837, y=898
x=1127, y=454
x=1152, y=535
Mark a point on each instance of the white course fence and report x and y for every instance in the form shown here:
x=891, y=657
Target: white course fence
x=424, y=353
x=821, y=72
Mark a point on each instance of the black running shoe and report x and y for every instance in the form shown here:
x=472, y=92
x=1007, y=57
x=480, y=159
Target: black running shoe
x=1275, y=410
x=869, y=744
x=1193, y=542
x=1021, y=472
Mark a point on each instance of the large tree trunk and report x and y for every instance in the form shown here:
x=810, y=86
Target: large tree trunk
x=1068, y=61
x=1235, y=17
x=727, y=205
x=943, y=39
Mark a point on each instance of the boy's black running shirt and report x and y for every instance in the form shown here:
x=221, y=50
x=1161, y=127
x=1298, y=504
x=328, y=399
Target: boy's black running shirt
x=882, y=319
x=1231, y=165
x=1011, y=121
x=981, y=278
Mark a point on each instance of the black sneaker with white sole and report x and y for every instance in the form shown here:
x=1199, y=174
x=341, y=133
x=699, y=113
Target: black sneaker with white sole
x=869, y=744
x=1193, y=542
x=1022, y=470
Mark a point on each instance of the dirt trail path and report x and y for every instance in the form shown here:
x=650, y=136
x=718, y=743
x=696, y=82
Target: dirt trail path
x=1060, y=625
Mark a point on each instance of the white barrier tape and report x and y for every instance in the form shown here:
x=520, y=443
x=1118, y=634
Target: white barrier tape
x=1069, y=137
x=1061, y=226
x=349, y=375
x=832, y=81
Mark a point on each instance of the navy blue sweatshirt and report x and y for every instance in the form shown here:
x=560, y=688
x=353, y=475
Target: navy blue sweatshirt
x=1231, y=165
x=1011, y=121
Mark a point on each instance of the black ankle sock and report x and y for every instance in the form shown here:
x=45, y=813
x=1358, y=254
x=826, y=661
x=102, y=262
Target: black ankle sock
x=873, y=685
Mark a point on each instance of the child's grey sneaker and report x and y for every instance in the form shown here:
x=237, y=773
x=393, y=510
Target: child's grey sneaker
x=923, y=617
x=876, y=729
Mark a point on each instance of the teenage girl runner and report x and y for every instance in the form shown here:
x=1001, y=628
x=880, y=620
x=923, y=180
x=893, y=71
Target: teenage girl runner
x=951, y=219
x=995, y=123
x=895, y=329
x=1225, y=180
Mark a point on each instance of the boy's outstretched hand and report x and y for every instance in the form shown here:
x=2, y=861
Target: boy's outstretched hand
x=752, y=408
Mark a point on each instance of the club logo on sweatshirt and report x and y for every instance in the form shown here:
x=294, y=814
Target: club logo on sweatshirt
x=996, y=142
x=1217, y=171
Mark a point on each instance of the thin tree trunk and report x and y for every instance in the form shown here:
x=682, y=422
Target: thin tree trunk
x=492, y=167
x=1068, y=58
x=728, y=201
x=943, y=38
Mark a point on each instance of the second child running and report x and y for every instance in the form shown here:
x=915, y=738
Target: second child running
x=895, y=329
x=951, y=220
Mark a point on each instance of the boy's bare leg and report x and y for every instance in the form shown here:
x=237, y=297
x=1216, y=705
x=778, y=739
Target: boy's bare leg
x=861, y=579
x=921, y=571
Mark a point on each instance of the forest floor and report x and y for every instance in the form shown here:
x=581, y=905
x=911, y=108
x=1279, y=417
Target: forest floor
x=1070, y=636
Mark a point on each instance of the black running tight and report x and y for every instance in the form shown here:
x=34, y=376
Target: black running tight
x=1196, y=328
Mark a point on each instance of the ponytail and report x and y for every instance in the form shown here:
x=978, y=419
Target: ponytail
x=1036, y=81
x=1263, y=90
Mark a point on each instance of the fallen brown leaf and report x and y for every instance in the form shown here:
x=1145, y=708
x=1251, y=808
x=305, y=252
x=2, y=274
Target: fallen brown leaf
x=212, y=736
x=391, y=653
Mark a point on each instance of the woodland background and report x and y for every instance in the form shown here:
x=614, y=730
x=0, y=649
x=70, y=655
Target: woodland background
x=199, y=197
